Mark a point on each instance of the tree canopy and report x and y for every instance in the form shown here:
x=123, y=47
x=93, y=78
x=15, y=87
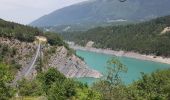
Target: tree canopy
x=6, y=91
x=27, y=33
x=145, y=37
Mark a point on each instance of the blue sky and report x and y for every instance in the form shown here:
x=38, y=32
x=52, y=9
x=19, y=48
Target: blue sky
x=25, y=11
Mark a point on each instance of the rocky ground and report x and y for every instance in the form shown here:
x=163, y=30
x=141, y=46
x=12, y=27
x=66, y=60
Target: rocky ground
x=69, y=65
x=24, y=50
x=124, y=53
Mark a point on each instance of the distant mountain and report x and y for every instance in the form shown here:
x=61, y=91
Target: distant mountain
x=95, y=12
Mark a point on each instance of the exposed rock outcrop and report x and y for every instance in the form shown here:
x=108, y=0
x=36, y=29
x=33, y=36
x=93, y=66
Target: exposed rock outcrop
x=71, y=66
x=167, y=29
x=24, y=50
x=89, y=44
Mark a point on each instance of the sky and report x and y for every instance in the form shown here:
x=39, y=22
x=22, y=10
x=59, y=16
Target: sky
x=26, y=11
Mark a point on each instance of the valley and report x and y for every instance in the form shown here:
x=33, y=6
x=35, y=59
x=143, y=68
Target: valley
x=85, y=50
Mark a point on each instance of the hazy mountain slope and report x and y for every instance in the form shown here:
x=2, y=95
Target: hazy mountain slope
x=100, y=11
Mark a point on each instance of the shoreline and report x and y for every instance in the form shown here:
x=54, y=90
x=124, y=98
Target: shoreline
x=124, y=54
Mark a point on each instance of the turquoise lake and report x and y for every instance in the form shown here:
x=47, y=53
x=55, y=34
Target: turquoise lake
x=98, y=61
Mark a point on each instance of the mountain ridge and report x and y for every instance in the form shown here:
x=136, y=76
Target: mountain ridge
x=101, y=11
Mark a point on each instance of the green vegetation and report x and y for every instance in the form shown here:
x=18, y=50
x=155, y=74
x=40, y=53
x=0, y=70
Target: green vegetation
x=6, y=91
x=112, y=87
x=29, y=88
x=55, y=86
x=6, y=52
x=18, y=31
x=6, y=56
x=54, y=39
x=150, y=87
x=27, y=33
x=144, y=37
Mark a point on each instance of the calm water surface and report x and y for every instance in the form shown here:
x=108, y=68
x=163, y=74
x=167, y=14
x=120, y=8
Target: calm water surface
x=98, y=61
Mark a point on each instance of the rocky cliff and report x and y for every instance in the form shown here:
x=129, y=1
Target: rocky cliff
x=71, y=66
x=57, y=57
x=23, y=50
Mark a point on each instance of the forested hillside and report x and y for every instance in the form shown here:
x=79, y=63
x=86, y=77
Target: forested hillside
x=144, y=37
x=18, y=31
x=26, y=33
x=9, y=50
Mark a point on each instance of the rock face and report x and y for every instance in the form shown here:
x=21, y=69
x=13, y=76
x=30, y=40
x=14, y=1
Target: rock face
x=167, y=29
x=71, y=66
x=24, y=50
x=23, y=56
x=89, y=44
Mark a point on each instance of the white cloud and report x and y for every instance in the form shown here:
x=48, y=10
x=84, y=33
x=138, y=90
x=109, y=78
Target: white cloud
x=25, y=11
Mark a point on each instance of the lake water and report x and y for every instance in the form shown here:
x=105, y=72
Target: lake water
x=98, y=61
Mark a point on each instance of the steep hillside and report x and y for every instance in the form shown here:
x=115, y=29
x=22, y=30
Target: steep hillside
x=18, y=48
x=146, y=37
x=15, y=53
x=18, y=31
x=95, y=12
